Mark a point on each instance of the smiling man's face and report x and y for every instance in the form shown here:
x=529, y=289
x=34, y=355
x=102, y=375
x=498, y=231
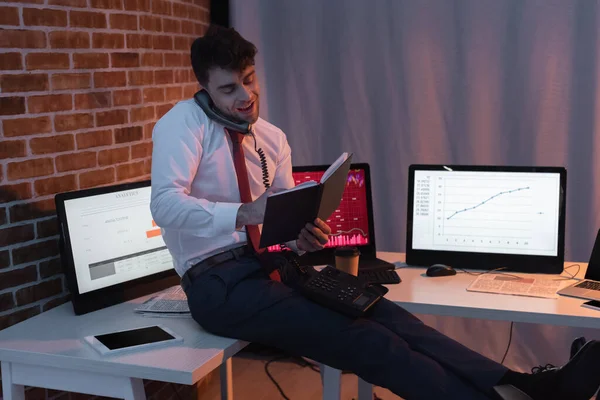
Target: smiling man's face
x=235, y=93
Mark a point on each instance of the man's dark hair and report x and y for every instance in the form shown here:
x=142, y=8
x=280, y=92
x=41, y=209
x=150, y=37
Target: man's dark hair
x=220, y=47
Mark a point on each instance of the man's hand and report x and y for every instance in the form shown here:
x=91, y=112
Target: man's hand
x=254, y=213
x=313, y=237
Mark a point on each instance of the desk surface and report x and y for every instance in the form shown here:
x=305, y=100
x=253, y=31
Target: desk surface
x=448, y=296
x=54, y=338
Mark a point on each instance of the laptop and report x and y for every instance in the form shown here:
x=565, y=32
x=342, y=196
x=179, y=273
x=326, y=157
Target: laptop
x=111, y=249
x=589, y=288
x=352, y=223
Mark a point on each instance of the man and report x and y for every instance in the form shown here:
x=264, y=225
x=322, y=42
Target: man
x=198, y=183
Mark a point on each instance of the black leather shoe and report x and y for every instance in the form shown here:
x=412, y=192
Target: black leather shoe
x=578, y=379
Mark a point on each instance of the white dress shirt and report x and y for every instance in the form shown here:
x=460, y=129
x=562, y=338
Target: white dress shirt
x=195, y=195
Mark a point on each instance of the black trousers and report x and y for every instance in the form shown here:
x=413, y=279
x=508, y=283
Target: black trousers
x=391, y=348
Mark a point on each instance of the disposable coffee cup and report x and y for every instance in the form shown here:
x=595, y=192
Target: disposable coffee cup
x=346, y=259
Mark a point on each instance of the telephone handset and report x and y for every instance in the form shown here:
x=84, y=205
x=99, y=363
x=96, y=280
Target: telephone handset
x=203, y=99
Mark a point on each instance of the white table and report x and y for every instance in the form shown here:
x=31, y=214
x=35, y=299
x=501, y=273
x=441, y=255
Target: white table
x=47, y=351
x=447, y=296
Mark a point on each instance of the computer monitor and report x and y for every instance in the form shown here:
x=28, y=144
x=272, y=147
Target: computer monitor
x=111, y=249
x=352, y=223
x=487, y=217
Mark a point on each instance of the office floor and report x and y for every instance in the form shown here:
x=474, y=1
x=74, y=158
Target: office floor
x=250, y=380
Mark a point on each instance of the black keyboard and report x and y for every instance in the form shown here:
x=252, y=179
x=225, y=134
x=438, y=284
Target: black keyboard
x=382, y=277
x=591, y=285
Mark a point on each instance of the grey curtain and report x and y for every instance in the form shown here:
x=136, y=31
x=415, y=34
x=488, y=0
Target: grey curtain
x=439, y=81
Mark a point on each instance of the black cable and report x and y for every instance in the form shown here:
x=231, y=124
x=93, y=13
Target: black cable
x=279, y=358
x=509, y=341
x=176, y=392
x=263, y=164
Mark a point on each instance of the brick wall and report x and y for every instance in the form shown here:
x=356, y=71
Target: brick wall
x=82, y=83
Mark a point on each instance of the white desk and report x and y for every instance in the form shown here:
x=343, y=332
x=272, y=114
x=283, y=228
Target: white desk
x=48, y=351
x=447, y=296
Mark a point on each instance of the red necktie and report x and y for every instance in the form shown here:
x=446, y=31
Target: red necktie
x=239, y=160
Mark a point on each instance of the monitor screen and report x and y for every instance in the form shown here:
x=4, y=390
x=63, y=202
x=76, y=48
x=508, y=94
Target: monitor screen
x=486, y=211
x=350, y=222
x=114, y=239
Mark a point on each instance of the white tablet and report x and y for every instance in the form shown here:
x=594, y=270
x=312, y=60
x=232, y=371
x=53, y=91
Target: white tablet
x=133, y=339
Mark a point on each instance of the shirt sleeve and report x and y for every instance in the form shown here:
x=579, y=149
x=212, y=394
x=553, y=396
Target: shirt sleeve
x=176, y=155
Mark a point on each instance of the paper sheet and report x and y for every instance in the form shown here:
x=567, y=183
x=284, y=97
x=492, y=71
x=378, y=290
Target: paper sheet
x=514, y=285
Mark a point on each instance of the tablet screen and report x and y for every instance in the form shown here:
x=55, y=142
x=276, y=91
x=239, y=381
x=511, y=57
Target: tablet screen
x=134, y=337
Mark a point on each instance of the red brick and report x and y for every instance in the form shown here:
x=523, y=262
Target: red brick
x=23, y=82
x=188, y=28
x=69, y=40
x=124, y=21
x=86, y=101
x=14, y=148
x=94, y=139
x=139, y=41
x=30, y=168
x=51, y=267
x=113, y=156
x=152, y=60
x=9, y=16
x=145, y=113
x=3, y=216
x=112, y=117
x=55, y=184
x=71, y=81
x=97, y=178
x=6, y=301
x=175, y=60
x=162, y=42
x=17, y=277
x=11, y=61
x=183, y=43
x=71, y=122
x=163, y=109
x=125, y=60
x=108, y=4
x=152, y=95
x=48, y=228
x=26, y=126
x=69, y=3
x=33, y=210
x=4, y=259
x=148, y=166
x=16, y=234
x=19, y=191
x=181, y=10
x=171, y=25
x=47, y=61
x=129, y=134
x=132, y=170
x=190, y=90
x=161, y=7
x=50, y=103
x=150, y=23
x=137, y=5
x=108, y=40
x=181, y=75
x=127, y=97
x=22, y=39
x=18, y=316
x=140, y=78
x=174, y=93
x=110, y=79
x=52, y=144
x=44, y=17
x=55, y=303
x=87, y=19
x=44, y=290
x=75, y=161
x=141, y=150
x=163, y=77
x=90, y=60
x=148, y=128
x=12, y=105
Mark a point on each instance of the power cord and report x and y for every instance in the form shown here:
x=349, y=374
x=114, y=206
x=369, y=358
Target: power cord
x=278, y=358
x=176, y=392
x=509, y=341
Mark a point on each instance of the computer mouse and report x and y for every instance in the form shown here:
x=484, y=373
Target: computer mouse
x=440, y=270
